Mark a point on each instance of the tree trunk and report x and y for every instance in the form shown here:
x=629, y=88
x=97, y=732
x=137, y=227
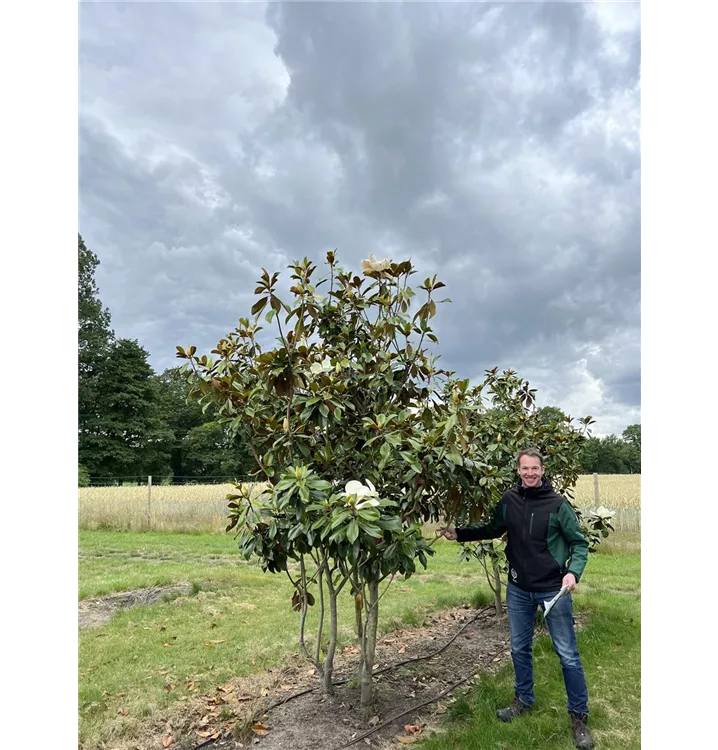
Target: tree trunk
x=329, y=660
x=368, y=645
x=358, y=607
x=497, y=590
x=320, y=628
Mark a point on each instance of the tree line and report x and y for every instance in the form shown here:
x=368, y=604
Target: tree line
x=133, y=422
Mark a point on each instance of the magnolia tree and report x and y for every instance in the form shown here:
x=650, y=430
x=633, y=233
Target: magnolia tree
x=359, y=438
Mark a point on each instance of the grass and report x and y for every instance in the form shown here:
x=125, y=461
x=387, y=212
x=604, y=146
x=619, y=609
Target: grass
x=237, y=621
x=610, y=649
x=203, y=508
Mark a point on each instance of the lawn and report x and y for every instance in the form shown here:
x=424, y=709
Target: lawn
x=237, y=621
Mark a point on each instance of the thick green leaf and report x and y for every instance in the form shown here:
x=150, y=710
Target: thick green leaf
x=259, y=305
x=372, y=530
x=353, y=531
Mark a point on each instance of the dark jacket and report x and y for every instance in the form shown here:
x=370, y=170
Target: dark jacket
x=544, y=539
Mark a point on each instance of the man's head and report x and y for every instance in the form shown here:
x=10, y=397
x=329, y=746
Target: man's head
x=530, y=467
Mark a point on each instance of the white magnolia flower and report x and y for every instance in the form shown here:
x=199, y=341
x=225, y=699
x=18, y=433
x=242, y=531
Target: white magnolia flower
x=604, y=513
x=354, y=487
x=319, y=367
x=362, y=495
x=373, y=264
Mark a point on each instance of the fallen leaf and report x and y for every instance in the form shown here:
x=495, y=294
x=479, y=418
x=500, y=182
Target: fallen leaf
x=244, y=697
x=407, y=739
x=285, y=687
x=167, y=740
x=440, y=708
x=413, y=728
x=260, y=728
x=202, y=733
x=220, y=641
x=123, y=711
x=373, y=721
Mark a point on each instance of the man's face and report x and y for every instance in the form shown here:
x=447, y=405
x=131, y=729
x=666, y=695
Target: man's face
x=530, y=471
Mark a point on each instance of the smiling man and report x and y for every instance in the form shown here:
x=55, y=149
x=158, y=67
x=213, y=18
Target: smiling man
x=546, y=550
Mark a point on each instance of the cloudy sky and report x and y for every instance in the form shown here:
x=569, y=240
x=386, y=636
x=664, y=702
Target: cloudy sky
x=496, y=144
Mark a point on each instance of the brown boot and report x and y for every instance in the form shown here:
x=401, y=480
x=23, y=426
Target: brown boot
x=581, y=733
x=511, y=712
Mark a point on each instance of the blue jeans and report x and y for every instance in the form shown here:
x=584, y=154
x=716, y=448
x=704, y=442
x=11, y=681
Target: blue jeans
x=521, y=606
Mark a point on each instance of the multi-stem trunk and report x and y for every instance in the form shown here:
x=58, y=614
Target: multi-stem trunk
x=368, y=646
x=332, y=592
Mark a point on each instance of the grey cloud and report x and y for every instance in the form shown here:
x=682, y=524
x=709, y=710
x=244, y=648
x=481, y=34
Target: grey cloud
x=495, y=144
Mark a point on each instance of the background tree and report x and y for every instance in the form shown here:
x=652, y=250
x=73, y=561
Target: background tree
x=94, y=338
x=210, y=450
x=179, y=416
x=551, y=415
x=199, y=447
x=125, y=436
x=612, y=454
x=94, y=333
x=632, y=437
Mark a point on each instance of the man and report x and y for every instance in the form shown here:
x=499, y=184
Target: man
x=546, y=550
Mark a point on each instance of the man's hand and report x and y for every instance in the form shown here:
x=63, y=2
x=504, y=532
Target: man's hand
x=569, y=580
x=449, y=532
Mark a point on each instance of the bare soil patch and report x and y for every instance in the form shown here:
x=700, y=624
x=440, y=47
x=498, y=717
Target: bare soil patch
x=243, y=713
x=92, y=613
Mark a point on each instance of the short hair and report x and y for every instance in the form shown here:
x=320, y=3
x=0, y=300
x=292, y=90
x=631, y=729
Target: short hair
x=533, y=452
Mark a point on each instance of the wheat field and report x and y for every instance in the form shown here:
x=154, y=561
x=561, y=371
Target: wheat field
x=203, y=507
